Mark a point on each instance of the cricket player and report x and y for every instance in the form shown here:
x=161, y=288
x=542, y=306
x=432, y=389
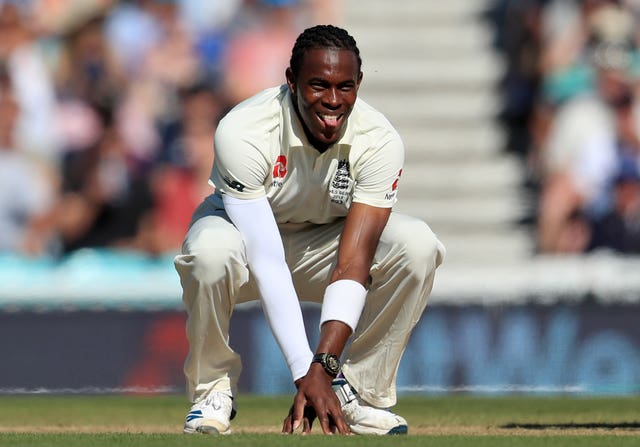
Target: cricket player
x=305, y=176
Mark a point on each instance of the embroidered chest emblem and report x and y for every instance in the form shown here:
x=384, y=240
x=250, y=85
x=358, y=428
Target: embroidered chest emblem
x=339, y=187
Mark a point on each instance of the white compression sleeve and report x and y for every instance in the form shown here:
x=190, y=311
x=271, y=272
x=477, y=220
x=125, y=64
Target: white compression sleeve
x=265, y=254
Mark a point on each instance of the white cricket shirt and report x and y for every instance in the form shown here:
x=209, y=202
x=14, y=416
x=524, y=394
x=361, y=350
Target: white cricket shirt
x=261, y=149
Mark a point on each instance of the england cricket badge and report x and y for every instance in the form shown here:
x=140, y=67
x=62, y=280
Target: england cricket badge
x=340, y=185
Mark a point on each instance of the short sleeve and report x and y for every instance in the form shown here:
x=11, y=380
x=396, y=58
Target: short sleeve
x=239, y=167
x=378, y=174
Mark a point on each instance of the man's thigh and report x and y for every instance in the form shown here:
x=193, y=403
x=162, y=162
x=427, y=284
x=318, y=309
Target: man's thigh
x=406, y=241
x=218, y=245
x=311, y=255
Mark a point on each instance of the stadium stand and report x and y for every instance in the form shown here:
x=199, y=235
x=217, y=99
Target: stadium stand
x=431, y=68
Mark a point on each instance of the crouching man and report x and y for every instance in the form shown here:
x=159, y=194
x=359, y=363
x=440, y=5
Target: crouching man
x=305, y=177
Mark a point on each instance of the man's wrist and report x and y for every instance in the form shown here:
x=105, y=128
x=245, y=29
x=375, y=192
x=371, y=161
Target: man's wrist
x=315, y=371
x=329, y=362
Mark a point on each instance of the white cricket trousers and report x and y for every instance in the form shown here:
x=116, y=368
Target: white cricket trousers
x=215, y=277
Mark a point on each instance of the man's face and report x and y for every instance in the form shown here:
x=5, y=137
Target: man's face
x=324, y=93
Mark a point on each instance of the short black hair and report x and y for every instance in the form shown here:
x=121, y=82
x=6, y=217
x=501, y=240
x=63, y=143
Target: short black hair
x=322, y=36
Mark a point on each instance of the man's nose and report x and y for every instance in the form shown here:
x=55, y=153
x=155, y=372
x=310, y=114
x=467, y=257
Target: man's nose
x=331, y=98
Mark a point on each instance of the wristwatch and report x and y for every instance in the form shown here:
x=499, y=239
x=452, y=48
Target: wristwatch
x=330, y=363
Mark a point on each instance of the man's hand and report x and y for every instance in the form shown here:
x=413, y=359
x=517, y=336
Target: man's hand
x=315, y=398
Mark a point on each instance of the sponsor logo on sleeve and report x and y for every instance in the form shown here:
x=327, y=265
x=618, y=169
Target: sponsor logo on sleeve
x=394, y=187
x=279, y=171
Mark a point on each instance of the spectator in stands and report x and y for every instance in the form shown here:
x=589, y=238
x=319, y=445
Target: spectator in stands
x=180, y=181
x=578, y=157
x=54, y=18
x=105, y=194
x=161, y=61
x=87, y=69
x=572, y=27
x=88, y=78
x=619, y=229
x=27, y=189
x=172, y=60
x=210, y=24
x=582, y=184
x=131, y=30
x=575, y=67
x=518, y=36
x=254, y=57
x=32, y=86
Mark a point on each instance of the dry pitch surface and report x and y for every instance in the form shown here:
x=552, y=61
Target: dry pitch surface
x=447, y=430
x=431, y=416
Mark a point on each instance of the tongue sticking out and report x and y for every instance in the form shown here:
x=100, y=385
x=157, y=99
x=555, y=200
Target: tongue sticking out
x=330, y=122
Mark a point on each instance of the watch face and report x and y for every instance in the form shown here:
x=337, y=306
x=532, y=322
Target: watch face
x=330, y=362
x=333, y=364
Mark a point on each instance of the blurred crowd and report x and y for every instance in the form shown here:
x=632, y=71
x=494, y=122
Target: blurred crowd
x=572, y=110
x=108, y=110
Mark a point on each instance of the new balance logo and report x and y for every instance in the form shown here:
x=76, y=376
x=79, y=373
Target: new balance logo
x=195, y=414
x=234, y=184
x=394, y=188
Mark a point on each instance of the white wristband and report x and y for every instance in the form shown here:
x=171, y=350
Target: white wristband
x=343, y=301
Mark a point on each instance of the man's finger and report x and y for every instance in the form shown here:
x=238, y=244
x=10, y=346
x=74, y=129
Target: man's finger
x=287, y=426
x=309, y=417
x=297, y=412
x=306, y=426
x=339, y=423
x=325, y=424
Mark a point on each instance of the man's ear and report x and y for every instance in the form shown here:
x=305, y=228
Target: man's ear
x=291, y=81
x=359, y=79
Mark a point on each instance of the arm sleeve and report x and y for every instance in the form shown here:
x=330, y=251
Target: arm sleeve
x=265, y=253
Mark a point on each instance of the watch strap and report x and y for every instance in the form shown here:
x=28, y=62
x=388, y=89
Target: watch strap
x=322, y=358
x=319, y=358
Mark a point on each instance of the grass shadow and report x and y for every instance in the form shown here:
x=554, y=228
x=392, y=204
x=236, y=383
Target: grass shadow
x=574, y=425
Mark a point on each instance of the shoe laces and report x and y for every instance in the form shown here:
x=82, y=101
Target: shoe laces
x=217, y=400
x=353, y=408
x=214, y=401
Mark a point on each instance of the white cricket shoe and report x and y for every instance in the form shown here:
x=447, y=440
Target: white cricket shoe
x=364, y=419
x=211, y=415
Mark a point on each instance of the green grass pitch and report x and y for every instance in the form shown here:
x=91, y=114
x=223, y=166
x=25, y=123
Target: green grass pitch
x=442, y=421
